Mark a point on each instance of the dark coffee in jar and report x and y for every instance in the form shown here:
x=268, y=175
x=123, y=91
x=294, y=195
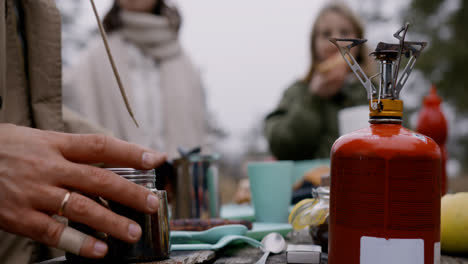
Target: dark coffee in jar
x=154, y=243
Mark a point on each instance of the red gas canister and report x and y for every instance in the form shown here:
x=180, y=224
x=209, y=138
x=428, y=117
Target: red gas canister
x=385, y=179
x=432, y=123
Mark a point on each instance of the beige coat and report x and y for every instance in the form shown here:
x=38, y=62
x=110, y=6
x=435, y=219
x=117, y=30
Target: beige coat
x=30, y=93
x=36, y=101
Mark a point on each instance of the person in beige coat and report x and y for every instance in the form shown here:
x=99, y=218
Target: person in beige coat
x=40, y=165
x=161, y=82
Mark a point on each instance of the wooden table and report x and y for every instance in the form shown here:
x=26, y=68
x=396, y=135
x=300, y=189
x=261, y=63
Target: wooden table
x=251, y=255
x=239, y=254
x=243, y=254
x=180, y=257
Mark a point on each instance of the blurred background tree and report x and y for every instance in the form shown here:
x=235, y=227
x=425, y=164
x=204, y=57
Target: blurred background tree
x=443, y=25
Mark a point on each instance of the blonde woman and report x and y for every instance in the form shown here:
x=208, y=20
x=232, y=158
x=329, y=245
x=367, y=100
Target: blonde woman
x=305, y=124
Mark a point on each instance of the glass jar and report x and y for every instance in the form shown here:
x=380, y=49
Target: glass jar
x=319, y=229
x=154, y=243
x=313, y=213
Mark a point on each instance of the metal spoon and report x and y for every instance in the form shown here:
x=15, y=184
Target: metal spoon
x=273, y=243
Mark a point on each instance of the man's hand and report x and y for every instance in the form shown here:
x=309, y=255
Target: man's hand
x=37, y=170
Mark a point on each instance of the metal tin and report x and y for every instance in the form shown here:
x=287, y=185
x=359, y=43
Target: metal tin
x=197, y=191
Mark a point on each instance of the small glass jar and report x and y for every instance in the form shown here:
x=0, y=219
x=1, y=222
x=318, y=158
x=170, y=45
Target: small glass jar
x=154, y=243
x=313, y=214
x=313, y=211
x=319, y=229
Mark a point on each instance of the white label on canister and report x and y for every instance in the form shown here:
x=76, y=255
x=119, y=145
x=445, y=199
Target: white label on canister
x=377, y=250
x=437, y=253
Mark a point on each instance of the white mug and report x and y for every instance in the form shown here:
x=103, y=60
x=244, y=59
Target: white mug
x=353, y=118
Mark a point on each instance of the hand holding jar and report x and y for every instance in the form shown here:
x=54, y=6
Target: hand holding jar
x=39, y=172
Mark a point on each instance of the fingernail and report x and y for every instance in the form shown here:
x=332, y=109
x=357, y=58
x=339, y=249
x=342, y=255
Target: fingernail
x=149, y=160
x=152, y=202
x=134, y=231
x=100, y=248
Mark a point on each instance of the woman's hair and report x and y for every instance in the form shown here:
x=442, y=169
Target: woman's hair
x=112, y=20
x=362, y=56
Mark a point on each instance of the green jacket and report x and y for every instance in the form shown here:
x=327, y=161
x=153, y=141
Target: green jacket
x=305, y=126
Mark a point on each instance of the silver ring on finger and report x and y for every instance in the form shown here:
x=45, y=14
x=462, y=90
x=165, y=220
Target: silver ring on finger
x=64, y=203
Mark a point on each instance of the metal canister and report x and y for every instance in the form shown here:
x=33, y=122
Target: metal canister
x=196, y=187
x=385, y=179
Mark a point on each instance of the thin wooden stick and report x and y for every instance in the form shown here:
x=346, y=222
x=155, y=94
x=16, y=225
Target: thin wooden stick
x=114, y=67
